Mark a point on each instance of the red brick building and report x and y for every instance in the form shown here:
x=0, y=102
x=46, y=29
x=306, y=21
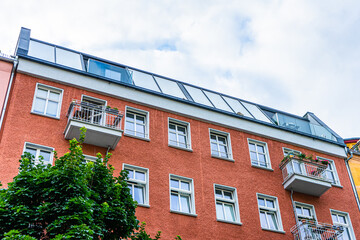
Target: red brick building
x=202, y=164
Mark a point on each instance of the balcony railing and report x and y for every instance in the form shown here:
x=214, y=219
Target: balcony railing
x=305, y=176
x=103, y=124
x=312, y=230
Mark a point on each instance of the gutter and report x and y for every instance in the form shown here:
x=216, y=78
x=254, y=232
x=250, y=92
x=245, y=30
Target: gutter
x=349, y=151
x=15, y=62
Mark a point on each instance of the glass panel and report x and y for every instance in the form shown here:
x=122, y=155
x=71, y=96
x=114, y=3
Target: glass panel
x=140, y=175
x=342, y=219
x=307, y=212
x=198, y=95
x=229, y=212
x=263, y=220
x=41, y=93
x=185, y=185
x=252, y=147
x=214, y=149
x=68, y=58
x=299, y=210
x=237, y=106
x=109, y=71
x=321, y=132
x=46, y=155
x=262, y=160
x=261, y=202
x=170, y=87
x=270, y=204
x=260, y=149
x=140, y=119
x=345, y=235
x=129, y=126
x=39, y=106
x=32, y=151
x=174, y=183
x=297, y=167
x=172, y=138
x=130, y=116
x=182, y=141
x=334, y=218
x=218, y=193
x=139, y=194
x=272, y=220
x=52, y=108
x=42, y=51
x=218, y=101
x=185, y=203
x=256, y=112
x=174, y=202
x=227, y=195
x=171, y=126
x=181, y=130
x=140, y=130
x=130, y=187
x=253, y=156
x=144, y=80
x=219, y=211
x=131, y=173
x=223, y=151
x=54, y=96
x=222, y=140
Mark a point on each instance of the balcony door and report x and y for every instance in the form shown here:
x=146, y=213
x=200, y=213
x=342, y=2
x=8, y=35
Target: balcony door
x=93, y=109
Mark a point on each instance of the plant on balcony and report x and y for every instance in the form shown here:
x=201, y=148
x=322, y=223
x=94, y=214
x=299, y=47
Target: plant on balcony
x=112, y=110
x=303, y=157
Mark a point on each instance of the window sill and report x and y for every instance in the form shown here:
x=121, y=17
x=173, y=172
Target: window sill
x=272, y=230
x=181, y=148
x=184, y=213
x=40, y=114
x=264, y=168
x=223, y=158
x=140, y=138
x=143, y=205
x=230, y=222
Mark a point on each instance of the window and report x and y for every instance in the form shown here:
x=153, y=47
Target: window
x=89, y=158
x=330, y=172
x=305, y=211
x=220, y=144
x=270, y=218
x=287, y=151
x=137, y=122
x=179, y=133
x=343, y=219
x=138, y=183
x=47, y=101
x=182, y=195
x=258, y=154
x=39, y=151
x=227, y=208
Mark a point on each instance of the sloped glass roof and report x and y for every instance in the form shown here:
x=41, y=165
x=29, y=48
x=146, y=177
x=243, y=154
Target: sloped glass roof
x=169, y=87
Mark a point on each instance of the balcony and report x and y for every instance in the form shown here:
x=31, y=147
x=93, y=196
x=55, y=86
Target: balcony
x=103, y=125
x=305, y=176
x=309, y=229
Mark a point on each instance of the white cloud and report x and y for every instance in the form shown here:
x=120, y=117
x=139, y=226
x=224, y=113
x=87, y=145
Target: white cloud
x=296, y=56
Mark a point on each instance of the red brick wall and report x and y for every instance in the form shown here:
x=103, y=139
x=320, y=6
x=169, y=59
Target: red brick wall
x=162, y=160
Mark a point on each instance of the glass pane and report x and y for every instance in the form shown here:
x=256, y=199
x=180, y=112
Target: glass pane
x=140, y=130
x=261, y=202
x=52, y=108
x=198, y=95
x=130, y=187
x=263, y=220
x=174, y=183
x=307, y=212
x=39, y=106
x=218, y=193
x=129, y=127
x=223, y=151
x=130, y=116
x=46, y=155
x=345, y=235
x=297, y=167
x=262, y=160
x=238, y=108
x=172, y=138
x=68, y=58
x=256, y=112
x=270, y=203
x=42, y=51
x=272, y=221
x=140, y=119
x=172, y=126
x=185, y=203
x=260, y=149
x=342, y=219
x=334, y=218
x=140, y=175
x=219, y=211
x=330, y=176
x=218, y=101
x=41, y=93
x=222, y=140
x=299, y=210
x=229, y=212
x=252, y=147
x=144, y=80
x=174, y=202
x=112, y=74
x=54, y=96
x=32, y=151
x=131, y=173
x=170, y=87
x=109, y=71
x=181, y=130
x=253, y=156
x=182, y=141
x=139, y=194
x=185, y=185
x=227, y=195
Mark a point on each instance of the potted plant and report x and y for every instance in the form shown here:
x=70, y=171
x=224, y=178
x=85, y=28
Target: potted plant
x=112, y=110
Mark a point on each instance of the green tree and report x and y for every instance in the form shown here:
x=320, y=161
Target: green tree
x=73, y=199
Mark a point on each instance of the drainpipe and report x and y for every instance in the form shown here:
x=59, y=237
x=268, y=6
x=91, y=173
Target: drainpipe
x=8, y=92
x=349, y=151
x=295, y=214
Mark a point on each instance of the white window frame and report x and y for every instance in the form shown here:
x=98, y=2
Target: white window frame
x=267, y=155
x=305, y=205
x=336, y=176
x=89, y=158
x=226, y=135
x=290, y=150
x=38, y=148
x=144, y=184
x=347, y=217
x=190, y=193
x=233, y=202
x=143, y=113
x=186, y=125
x=275, y=210
x=48, y=88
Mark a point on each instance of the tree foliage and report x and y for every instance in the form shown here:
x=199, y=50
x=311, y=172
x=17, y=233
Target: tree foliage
x=73, y=199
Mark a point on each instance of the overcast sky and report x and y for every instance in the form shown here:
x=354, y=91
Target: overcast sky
x=295, y=56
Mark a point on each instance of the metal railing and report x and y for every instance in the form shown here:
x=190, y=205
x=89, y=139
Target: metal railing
x=95, y=114
x=305, y=168
x=312, y=230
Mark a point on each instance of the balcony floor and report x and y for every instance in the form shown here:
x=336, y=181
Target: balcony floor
x=307, y=185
